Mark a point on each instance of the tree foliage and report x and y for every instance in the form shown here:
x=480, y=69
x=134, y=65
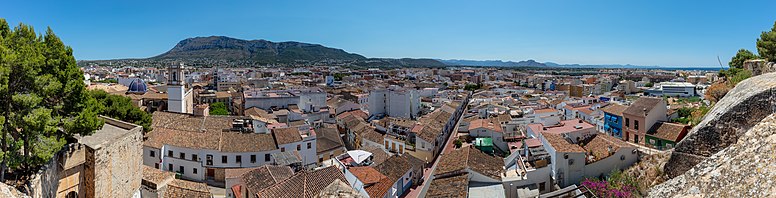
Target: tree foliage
x=120, y=107
x=766, y=44
x=741, y=56
x=42, y=99
x=218, y=108
x=472, y=87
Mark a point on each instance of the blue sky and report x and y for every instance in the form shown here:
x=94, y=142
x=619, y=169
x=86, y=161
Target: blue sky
x=658, y=32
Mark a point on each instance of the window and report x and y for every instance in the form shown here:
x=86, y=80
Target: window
x=209, y=160
x=298, y=147
x=636, y=124
x=309, y=145
x=156, y=165
x=238, y=159
x=182, y=155
x=180, y=169
x=194, y=171
x=169, y=167
x=194, y=157
x=153, y=153
x=223, y=159
x=541, y=187
x=266, y=157
x=253, y=158
x=283, y=149
x=169, y=153
x=627, y=122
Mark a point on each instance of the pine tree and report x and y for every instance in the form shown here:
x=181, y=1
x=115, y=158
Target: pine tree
x=42, y=97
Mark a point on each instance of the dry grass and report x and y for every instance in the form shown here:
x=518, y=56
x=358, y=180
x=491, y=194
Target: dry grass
x=649, y=171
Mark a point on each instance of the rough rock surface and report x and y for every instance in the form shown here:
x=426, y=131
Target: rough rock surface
x=745, y=169
x=743, y=107
x=759, y=66
x=10, y=192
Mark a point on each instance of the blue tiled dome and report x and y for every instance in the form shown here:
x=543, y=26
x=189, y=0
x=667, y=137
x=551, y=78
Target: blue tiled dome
x=137, y=86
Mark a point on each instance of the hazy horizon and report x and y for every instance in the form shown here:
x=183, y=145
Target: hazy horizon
x=653, y=33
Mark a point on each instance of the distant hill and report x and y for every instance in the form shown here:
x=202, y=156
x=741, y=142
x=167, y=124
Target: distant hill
x=494, y=63
x=401, y=62
x=262, y=51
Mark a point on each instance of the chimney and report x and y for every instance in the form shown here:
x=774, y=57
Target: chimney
x=202, y=110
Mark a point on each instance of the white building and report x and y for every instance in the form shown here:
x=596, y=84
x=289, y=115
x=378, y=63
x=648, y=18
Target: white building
x=179, y=97
x=680, y=89
x=571, y=163
x=308, y=100
x=395, y=102
x=202, y=148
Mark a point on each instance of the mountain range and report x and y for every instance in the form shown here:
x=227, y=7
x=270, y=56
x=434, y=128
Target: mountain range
x=220, y=49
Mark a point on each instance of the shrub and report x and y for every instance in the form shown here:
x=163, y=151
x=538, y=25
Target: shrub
x=617, y=184
x=716, y=91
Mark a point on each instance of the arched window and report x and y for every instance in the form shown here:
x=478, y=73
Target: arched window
x=72, y=194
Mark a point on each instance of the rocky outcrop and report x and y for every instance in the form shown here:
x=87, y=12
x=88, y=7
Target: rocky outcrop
x=745, y=169
x=759, y=66
x=10, y=192
x=741, y=109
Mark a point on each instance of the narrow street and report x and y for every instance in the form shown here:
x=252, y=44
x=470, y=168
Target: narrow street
x=448, y=146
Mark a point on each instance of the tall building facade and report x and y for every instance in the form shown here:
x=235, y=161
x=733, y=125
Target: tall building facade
x=395, y=102
x=179, y=97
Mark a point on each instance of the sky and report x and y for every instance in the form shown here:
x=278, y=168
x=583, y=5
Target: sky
x=650, y=33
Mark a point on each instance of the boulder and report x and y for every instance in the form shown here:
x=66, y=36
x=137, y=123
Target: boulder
x=742, y=108
x=759, y=66
x=746, y=168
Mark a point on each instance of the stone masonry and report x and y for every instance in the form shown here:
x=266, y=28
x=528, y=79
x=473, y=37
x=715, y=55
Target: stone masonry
x=742, y=108
x=745, y=169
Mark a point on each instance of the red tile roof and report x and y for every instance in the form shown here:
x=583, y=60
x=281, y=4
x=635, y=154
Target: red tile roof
x=367, y=174
x=486, y=124
x=560, y=144
x=303, y=184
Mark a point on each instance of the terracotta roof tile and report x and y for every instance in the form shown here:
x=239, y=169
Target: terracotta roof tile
x=637, y=108
x=474, y=159
x=367, y=174
x=303, y=184
x=327, y=139
x=378, y=154
x=560, y=144
x=182, y=188
x=394, y=167
x=449, y=187
x=667, y=131
x=210, y=132
x=287, y=135
x=259, y=178
x=615, y=109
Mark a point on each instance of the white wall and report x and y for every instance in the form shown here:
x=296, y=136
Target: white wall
x=613, y=162
x=200, y=163
x=655, y=114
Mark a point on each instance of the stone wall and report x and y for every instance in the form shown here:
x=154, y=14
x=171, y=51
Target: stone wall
x=742, y=108
x=46, y=183
x=118, y=166
x=111, y=169
x=759, y=66
x=745, y=169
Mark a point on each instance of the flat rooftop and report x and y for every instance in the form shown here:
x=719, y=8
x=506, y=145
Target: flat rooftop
x=565, y=126
x=110, y=131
